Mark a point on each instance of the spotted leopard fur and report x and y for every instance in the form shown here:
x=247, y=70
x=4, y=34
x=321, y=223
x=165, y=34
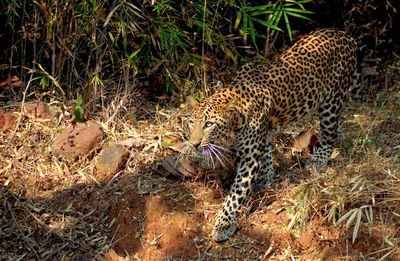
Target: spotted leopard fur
x=314, y=74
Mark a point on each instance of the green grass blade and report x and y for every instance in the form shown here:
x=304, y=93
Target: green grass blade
x=238, y=19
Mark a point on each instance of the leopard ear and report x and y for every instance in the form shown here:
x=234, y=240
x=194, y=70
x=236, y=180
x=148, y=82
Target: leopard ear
x=191, y=101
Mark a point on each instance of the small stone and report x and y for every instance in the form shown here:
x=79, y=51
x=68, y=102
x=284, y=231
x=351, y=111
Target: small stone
x=133, y=142
x=7, y=121
x=38, y=109
x=110, y=161
x=78, y=139
x=10, y=82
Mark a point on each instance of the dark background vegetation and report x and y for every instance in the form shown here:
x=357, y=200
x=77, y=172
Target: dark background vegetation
x=168, y=49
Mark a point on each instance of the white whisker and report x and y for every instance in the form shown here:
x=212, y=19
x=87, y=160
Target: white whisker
x=221, y=148
x=208, y=153
x=185, y=149
x=220, y=154
x=216, y=154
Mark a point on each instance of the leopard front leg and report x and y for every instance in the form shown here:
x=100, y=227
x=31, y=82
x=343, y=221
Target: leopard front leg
x=267, y=173
x=248, y=167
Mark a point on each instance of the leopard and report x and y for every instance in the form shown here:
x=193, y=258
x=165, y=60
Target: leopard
x=313, y=75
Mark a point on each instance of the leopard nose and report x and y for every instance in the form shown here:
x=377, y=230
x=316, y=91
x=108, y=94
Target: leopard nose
x=197, y=146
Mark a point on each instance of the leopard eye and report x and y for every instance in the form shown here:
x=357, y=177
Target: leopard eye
x=208, y=124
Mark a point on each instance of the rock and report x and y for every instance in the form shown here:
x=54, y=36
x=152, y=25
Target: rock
x=12, y=81
x=7, y=121
x=133, y=142
x=79, y=139
x=179, y=168
x=110, y=161
x=38, y=109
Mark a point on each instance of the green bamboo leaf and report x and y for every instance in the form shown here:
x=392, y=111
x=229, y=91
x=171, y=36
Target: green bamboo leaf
x=252, y=33
x=266, y=24
x=274, y=17
x=277, y=18
x=298, y=10
x=299, y=2
x=258, y=7
x=36, y=78
x=79, y=114
x=289, y=30
x=228, y=53
x=298, y=15
x=244, y=28
x=257, y=13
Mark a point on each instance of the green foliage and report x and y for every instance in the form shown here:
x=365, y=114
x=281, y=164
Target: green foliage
x=270, y=16
x=79, y=114
x=42, y=81
x=300, y=214
x=8, y=8
x=82, y=44
x=166, y=144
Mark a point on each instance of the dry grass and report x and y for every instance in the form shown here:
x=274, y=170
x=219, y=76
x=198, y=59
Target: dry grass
x=55, y=209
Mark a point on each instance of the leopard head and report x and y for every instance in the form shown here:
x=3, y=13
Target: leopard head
x=213, y=124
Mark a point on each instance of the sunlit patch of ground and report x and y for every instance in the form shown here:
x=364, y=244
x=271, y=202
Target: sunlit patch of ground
x=55, y=209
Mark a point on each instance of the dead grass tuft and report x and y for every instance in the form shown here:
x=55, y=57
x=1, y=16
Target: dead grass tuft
x=55, y=209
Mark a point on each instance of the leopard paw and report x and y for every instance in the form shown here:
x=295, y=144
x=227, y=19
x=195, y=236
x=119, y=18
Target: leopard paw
x=223, y=232
x=224, y=228
x=262, y=185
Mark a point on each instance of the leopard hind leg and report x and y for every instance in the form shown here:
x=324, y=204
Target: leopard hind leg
x=331, y=130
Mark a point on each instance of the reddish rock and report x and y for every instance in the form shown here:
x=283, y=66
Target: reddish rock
x=7, y=121
x=38, y=109
x=111, y=160
x=12, y=81
x=78, y=139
